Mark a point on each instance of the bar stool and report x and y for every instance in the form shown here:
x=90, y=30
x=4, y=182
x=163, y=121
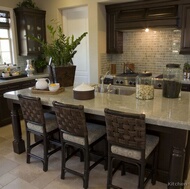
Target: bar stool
x=76, y=132
x=40, y=124
x=128, y=143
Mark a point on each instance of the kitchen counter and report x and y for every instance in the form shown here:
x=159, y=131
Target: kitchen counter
x=160, y=111
x=15, y=80
x=167, y=118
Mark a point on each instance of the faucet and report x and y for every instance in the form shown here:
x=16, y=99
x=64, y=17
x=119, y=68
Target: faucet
x=102, y=90
x=109, y=88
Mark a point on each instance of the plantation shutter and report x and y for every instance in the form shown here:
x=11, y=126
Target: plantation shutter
x=4, y=19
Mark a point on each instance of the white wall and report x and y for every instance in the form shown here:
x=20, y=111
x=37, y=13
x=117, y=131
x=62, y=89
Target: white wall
x=97, y=27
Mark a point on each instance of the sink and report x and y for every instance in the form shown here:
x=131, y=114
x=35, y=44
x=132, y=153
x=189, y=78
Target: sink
x=116, y=90
x=126, y=91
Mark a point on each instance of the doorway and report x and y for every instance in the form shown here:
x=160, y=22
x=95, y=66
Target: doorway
x=75, y=22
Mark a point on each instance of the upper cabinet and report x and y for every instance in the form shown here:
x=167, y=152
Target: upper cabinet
x=30, y=22
x=114, y=37
x=185, y=32
x=139, y=15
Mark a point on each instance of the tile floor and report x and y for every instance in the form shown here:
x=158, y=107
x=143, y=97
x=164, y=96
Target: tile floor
x=15, y=173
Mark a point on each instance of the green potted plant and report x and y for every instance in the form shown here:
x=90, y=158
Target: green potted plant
x=60, y=51
x=186, y=69
x=27, y=4
x=40, y=63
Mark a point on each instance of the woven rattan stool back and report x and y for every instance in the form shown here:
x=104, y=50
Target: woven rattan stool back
x=32, y=109
x=71, y=119
x=125, y=129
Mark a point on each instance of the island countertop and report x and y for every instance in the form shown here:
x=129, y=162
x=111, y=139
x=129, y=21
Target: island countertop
x=166, y=112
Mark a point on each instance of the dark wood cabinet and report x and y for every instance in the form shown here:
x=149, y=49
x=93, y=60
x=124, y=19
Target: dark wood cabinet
x=139, y=15
x=114, y=37
x=5, y=117
x=185, y=32
x=30, y=22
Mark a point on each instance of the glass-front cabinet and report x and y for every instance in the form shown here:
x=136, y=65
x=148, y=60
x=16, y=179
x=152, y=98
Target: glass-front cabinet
x=30, y=22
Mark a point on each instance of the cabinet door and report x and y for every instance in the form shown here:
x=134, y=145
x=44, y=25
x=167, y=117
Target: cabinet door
x=30, y=22
x=185, y=32
x=114, y=38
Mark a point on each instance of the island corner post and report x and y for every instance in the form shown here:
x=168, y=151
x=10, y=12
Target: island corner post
x=18, y=142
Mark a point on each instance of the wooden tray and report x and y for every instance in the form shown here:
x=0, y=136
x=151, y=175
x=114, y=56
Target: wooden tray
x=46, y=91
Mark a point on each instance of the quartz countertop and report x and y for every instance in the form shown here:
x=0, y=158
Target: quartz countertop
x=166, y=112
x=36, y=76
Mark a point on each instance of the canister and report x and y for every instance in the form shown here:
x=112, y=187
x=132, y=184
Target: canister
x=144, y=86
x=172, y=76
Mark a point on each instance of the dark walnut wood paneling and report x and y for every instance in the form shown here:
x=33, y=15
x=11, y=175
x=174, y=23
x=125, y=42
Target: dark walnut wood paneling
x=139, y=15
x=185, y=32
x=5, y=117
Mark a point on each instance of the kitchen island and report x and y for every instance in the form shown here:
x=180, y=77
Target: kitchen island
x=167, y=118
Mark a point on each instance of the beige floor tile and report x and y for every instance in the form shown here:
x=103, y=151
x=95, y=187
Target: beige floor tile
x=6, y=179
x=15, y=173
x=45, y=178
x=6, y=132
x=158, y=185
x=19, y=158
x=6, y=165
x=6, y=147
x=28, y=172
x=19, y=184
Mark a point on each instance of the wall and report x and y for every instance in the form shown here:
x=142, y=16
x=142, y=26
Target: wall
x=54, y=8
x=9, y=3
x=149, y=51
x=54, y=12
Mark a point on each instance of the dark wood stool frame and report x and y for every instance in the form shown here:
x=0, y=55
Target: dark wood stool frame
x=65, y=114
x=128, y=130
x=33, y=112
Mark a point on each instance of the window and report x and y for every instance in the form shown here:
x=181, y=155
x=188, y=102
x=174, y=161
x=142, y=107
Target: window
x=6, y=38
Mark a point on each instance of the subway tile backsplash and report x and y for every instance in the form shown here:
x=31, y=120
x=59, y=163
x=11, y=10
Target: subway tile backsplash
x=149, y=51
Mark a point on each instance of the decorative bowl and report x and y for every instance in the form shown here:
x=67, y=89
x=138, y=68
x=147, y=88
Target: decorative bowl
x=53, y=87
x=83, y=92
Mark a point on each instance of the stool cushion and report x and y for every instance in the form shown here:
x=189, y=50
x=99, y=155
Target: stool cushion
x=51, y=124
x=95, y=131
x=151, y=142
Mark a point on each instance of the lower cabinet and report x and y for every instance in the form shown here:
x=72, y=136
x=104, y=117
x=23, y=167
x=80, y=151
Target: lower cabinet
x=5, y=117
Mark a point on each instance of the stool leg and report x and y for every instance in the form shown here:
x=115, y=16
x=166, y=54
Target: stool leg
x=45, y=166
x=141, y=179
x=106, y=155
x=63, y=161
x=81, y=155
x=109, y=176
x=123, y=168
x=86, y=168
x=155, y=160
x=28, y=146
